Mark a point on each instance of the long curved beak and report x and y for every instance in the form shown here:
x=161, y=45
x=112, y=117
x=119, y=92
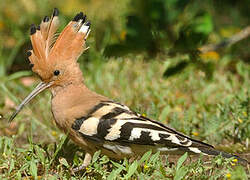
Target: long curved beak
x=39, y=88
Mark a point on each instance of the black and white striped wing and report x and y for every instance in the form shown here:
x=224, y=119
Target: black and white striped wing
x=113, y=122
x=116, y=128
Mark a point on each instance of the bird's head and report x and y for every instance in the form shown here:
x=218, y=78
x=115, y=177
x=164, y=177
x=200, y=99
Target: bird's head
x=53, y=59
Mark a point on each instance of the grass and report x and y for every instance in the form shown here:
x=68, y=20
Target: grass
x=214, y=111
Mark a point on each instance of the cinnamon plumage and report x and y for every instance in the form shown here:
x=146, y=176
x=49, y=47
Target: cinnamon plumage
x=93, y=121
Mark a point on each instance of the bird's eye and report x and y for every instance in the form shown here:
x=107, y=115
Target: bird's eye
x=56, y=72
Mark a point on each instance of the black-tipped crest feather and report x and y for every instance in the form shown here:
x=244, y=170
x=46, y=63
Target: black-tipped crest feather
x=77, y=17
x=32, y=29
x=45, y=19
x=28, y=53
x=55, y=12
x=88, y=23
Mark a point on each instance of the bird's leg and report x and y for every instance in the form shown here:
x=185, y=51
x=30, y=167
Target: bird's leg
x=86, y=162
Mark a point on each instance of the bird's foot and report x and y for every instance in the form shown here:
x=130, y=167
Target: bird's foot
x=79, y=168
x=86, y=162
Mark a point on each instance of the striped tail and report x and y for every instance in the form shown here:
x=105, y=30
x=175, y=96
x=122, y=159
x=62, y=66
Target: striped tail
x=214, y=152
x=198, y=148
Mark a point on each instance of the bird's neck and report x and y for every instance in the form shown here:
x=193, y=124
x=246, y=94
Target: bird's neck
x=67, y=87
x=72, y=101
x=74, y=95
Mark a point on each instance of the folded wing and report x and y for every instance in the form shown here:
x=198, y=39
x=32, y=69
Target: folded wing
x=113, y=122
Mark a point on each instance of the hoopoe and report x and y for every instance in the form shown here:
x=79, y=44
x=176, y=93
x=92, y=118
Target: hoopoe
x=93, y=121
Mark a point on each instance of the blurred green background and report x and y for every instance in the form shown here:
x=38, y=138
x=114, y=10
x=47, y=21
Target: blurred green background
x=146, y=54
x=152, y=28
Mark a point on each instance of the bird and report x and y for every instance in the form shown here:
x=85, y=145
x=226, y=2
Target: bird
x=93, y=121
